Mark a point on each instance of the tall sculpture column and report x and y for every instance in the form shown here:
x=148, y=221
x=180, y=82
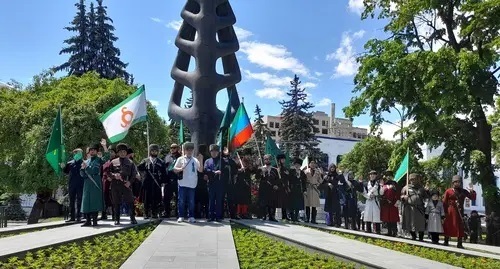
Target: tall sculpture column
x=206, y=34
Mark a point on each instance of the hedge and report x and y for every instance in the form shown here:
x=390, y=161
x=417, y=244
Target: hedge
x=256, y=250
x=438, y=255
x=109, y=251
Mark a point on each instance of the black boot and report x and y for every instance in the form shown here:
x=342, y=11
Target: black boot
x=116, y=214
x=284, y=215
x=272, y=214
x=313, y=215
x=132, y=214
x=421, y=236
x=413, y=235
x=446, y=241
x=377, y=228
x=459, y=243
x=87, y=221
x=368, y=227
x=308, y=214
x=104, y=215
x=331, y=219
x=94, y=219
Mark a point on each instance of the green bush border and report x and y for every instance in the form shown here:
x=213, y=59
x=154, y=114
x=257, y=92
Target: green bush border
x=256, y=250
x=108, y=251
x=438, y=255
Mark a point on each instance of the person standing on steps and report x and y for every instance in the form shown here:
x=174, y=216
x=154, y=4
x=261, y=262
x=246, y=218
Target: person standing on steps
x=389, y=212
x=75, y=184
x=106, y=185
x=269, y=179
x=412, y=197
x=122, y=173
x=92, y=201
x=284, y=191
x=434, y=213
x=373, y=191
x=453, y=202
x=332, y=200
x=215, y=184
x=171, y=187
x=201, y=194
x=297, y=185
x=154, y=173
x=243, y=184
x=350, y=210
x=188, y=167
x=311, y=200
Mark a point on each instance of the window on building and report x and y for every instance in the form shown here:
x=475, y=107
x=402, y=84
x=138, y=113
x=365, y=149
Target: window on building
x=324, y=131
x=354, y=135
x=271, y=124
x=323, y=123
x=277, y=125
x=316, y=122
x=279, y=133
x=273, y=133
x=339, y=159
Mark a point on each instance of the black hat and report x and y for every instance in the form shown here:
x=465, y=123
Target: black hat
x=130, y=151
x=297, y=161
x=434, y=192
x=280, y=156
x=214, y=147
x=94, y=146
x=389, y=173
x=154, y=147
x=121, y=146
x=373, y=172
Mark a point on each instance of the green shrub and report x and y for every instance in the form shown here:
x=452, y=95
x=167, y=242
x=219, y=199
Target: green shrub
x=14, y=210
x=109, y=251
x=442, y=256
x=259, y=251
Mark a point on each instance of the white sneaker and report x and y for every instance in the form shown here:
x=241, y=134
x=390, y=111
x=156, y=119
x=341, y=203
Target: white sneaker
x=192, y=220
x=179, y=220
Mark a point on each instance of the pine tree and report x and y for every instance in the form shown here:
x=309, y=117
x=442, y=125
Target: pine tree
x=260, y=132
x=77, y=45
x=108, y=63
x=93, y=46
x=297, y=126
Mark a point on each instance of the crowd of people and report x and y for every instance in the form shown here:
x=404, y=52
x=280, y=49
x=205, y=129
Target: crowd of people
x=215, y=182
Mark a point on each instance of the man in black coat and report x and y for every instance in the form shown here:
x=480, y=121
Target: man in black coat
x=154, y=173
x=75, y=184
x=350, y=189
x=332, y=200
x=170, y=190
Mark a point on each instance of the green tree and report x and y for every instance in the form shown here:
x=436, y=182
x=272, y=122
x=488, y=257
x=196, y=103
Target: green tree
x=372, y=153
x=77, y=44
x=108, y=61
x=445, y=73
x=93, y=45
x=174, y=126
x=438, y=172
x=297, y=127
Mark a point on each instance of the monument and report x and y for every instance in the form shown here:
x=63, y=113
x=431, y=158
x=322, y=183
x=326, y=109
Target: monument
x=206, y=34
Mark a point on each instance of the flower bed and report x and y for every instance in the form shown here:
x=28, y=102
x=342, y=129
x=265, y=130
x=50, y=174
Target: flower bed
x=424, y=252
x=259, y=251
x=109, y=251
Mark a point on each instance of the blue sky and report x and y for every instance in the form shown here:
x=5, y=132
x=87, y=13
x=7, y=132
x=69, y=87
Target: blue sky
x=278, y=39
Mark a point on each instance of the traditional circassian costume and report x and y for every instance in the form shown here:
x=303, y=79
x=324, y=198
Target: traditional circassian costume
x=297, y=184
x=351, y=189
x=311, y=199
x=106, y=185
x=171, y=188
x=332, y=200
x=389, y=212
x=284, y=192
x=412, y=197
x=373, y=192
x=269, y=188
x=243, y=195
x=154, y=173
x=453, y=202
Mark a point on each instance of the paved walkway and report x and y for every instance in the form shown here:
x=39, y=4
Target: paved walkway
x=370, y=255
x=183, y=245
x=24, y=227
x=472, y=249
x=18, y=244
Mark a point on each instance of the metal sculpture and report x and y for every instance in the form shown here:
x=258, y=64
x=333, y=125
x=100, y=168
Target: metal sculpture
x=206, y=34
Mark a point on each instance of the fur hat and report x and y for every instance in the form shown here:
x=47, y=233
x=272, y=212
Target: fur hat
x=154, y=147
x=297, y=161
x=214, y=147
x=434, y=192
x=389, y=173
x=373, y=172
x=94, y=146
x=121, y=146
x=188, y=146
x=130, y=150
x=280, y=156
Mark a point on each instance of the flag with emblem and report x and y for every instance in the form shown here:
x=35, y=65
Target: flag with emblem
x=118, y=120
x=55, y=153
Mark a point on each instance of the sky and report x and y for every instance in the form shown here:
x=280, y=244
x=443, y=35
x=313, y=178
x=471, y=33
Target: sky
x=319, y=42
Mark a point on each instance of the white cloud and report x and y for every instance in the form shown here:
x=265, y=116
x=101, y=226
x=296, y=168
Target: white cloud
x=276, y=57
x=323, y=102
x=271, y=93
x=269, y=80
x=175, y=25
x=157, y=20
x=345, y=55
x=356, y=6
x=316, y=58
x=318, y=74
x=154, y=103
x=309, y=85
x=241, y=33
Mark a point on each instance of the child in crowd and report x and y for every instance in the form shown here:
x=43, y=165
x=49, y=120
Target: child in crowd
x=434, y=213
x=474, y=226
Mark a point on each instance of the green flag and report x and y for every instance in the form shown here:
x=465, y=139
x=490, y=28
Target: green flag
x=55, y=153
x=181, y=133
x=272, y=149
x=223, y=138
x=404, y=167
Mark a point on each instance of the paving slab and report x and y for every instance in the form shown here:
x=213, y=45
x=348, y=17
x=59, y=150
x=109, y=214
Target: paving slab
x=19, y=244
x=472, y=249
x=184, y=245
x=367, y=254
x=27, y=227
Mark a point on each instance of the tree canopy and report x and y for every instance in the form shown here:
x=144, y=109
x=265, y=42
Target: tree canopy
x=372, y=153
x=26, y=118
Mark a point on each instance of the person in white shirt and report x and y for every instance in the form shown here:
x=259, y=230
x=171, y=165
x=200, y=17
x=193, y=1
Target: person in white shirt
x=187, y=167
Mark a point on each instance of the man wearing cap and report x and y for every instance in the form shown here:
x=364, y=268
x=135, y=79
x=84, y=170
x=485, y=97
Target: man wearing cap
x=154, y=173
x=106, y=184
x=243, y=184
x=269, y=185
x=413, y=196
x=171, y=187
x=297, y=184
x=188, y=166
x=122, y=172
x=90, y=170
x=75, y=184
x=389, y=211
x=453, y=202
x=373, y=191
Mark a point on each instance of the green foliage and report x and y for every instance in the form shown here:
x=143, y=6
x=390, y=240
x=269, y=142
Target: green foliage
x=399, y=152
x=260, y=132
x=297, y=127
x=259, y=251
x=26, y=117
x=14, y=210
x=372, y=153
x=438, y=172
x=462, y=261
x=446, y=88
x=109, y=251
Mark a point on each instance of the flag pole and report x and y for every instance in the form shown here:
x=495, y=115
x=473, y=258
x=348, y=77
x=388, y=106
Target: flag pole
x=408, y=167
x=147, y=122
x=258, y=149
x=62, y=139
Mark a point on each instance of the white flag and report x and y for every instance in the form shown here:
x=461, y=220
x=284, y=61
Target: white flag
x=118, y=120
x=305, y=163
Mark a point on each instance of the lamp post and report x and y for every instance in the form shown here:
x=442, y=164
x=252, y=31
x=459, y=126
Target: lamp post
x=401, y=122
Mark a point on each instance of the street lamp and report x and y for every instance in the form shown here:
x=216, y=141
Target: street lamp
x=401, y=122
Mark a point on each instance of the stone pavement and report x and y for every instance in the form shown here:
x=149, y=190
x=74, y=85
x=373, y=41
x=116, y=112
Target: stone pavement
x=471, y=249
x=19, y=244
x=183, y=245
x=16, y=228
x=363, y=253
